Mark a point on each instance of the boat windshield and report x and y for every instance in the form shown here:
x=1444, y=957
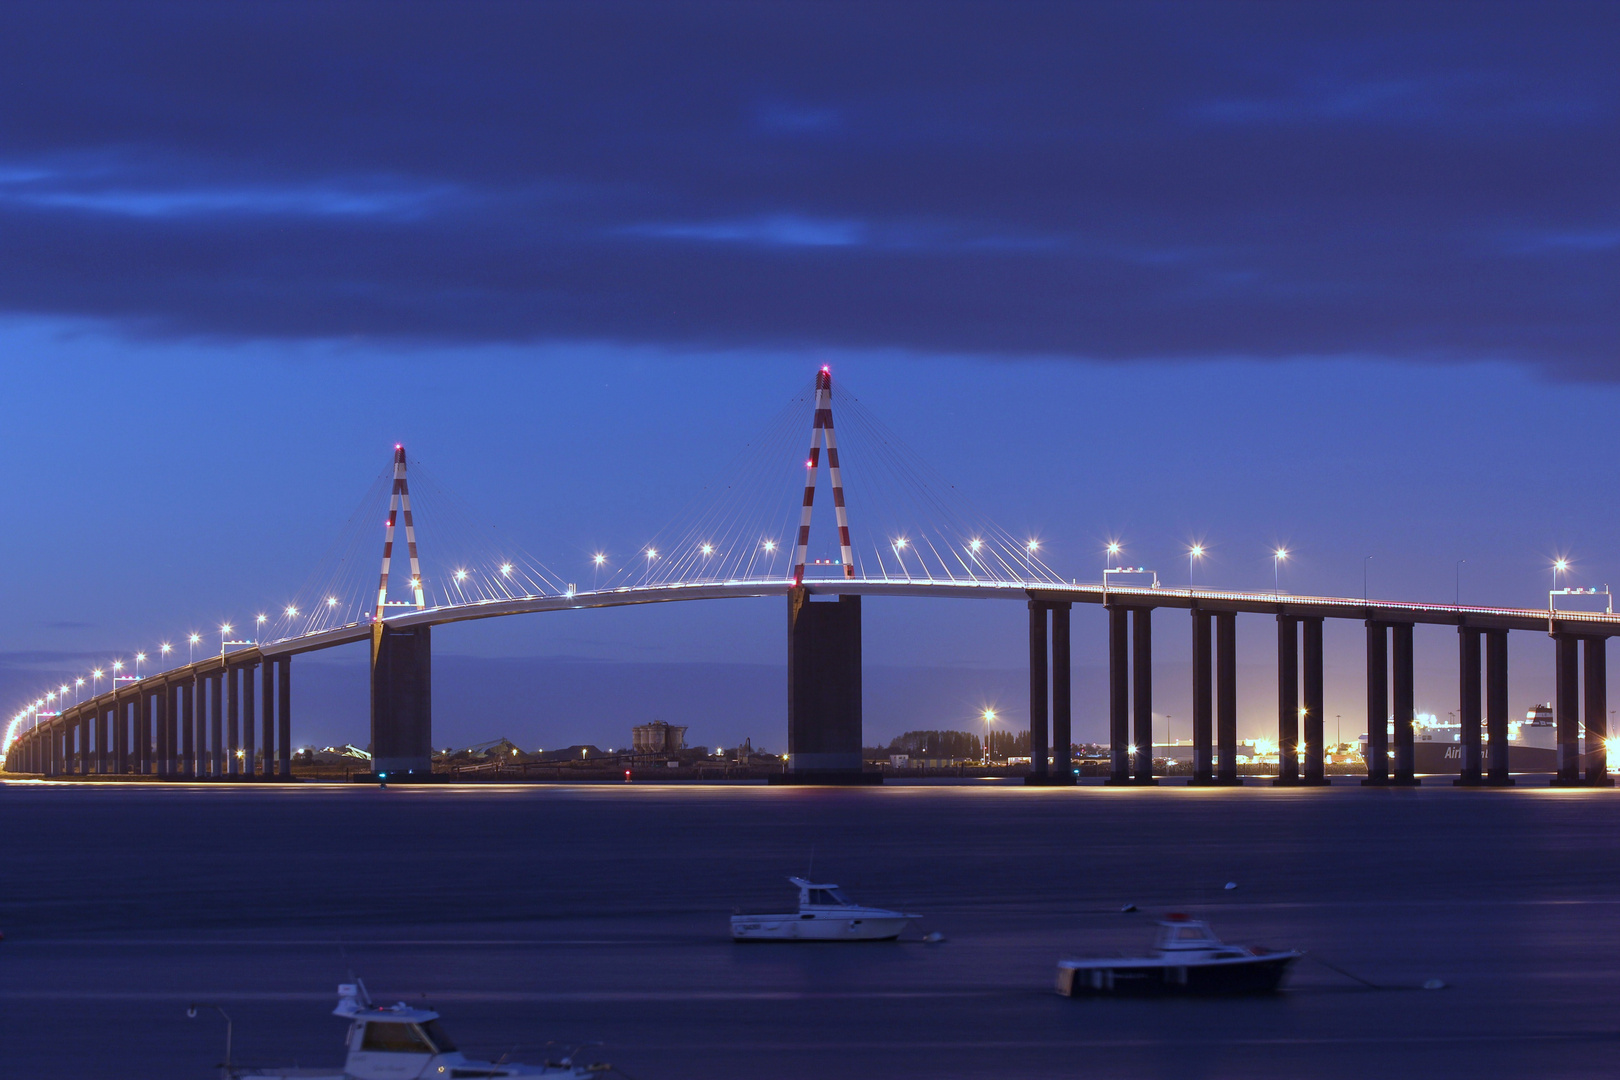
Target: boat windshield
x=436, y=1034
x=391, y=1038
x=826, y=897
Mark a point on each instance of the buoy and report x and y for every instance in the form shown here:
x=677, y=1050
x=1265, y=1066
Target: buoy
x=1231, y=884
x=1128, y=908
x=934, y=938
x=1434, y=984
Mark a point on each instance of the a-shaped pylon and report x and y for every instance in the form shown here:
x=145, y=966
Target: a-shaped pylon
x=823, y=423
x=399, y=500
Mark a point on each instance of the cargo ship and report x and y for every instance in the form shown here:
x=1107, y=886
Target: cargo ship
x=1532, y=743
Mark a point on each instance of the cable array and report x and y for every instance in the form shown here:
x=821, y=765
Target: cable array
x=906, y=522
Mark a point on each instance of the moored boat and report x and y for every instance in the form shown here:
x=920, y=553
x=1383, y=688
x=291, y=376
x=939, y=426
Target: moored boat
x=824, y=914
x=1187, y=958
x=386, y=1042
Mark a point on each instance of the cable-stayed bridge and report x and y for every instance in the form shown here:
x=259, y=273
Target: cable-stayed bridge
x=896, y=529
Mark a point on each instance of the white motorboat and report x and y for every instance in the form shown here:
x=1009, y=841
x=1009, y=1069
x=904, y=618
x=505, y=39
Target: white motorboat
x=387, y=1042
x=824, y=915
x=1187, y=958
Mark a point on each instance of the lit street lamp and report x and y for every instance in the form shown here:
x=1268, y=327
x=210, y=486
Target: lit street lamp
x=191, y=648
x=1194, y=553
x=1277, y=558
x=140, y=656
x=989, y=718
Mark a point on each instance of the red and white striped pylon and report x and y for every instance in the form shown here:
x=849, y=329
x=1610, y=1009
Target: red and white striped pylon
x=823, y=422
x=399, y=500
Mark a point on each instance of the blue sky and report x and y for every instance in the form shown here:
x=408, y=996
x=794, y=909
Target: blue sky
x=1339, y=277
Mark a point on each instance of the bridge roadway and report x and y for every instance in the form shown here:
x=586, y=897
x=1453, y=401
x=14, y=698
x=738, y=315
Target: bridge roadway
x=174, y=707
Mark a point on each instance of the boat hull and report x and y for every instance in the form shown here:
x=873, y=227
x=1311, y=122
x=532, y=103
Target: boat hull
x=795, y=928
x=1262, y=974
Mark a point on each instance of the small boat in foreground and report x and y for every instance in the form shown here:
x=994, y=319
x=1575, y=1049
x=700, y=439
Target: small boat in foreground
x=1187, y=958
x=824, y=915
x=387, y=1042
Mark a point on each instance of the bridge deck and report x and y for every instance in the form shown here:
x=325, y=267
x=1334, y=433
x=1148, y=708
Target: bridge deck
x=1589, y=624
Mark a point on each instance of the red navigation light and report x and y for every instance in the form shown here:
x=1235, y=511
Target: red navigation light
x=825, y=369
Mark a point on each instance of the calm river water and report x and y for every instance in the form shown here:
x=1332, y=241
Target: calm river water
x=543, y=914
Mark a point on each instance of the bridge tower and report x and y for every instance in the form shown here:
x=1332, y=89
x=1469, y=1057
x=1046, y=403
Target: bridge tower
x=824, y=639
x=401, y=659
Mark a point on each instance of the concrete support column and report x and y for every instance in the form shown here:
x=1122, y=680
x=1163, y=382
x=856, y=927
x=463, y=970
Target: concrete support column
x=250, y=750
x=1314, y=704
x=1062, y=697
x=824, y=695
x=143, y=730
x=1377, y=753
x=186, y=699
x=1203, y=700
x=1142, y=692
x=1597, y=713
x=1402, y=683
x=233, y=721
x=1287, y=700
x=216, y=717
x=284, y=717
x=1496, y=708
x=120, y=719
x=1119, y=696
x=1226, y=698
x=104, y=758
x=824, y=691
x=161, y=714
x=199, y=723
x=1468, y=706
x=267, y=695
x=1567, y=707
x=1038, y=683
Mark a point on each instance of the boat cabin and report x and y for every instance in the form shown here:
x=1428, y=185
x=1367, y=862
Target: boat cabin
x=1182, y=933
x=392, y=1040
x=812, y=894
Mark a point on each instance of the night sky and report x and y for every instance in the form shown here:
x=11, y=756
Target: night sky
x=1344, y=278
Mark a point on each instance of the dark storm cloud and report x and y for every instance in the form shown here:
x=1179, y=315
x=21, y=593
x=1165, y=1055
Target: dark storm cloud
x=1100, y=181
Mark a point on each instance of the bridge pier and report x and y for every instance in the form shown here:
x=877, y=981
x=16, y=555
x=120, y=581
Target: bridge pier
x=1287, y=701
x=1377, y=753
x=216, y=718
x=1314, y=704
x=233, y=722
x=1038, y=688
x=284, y=716
x=267, y=693
x=186, y=702
x=824, y=692
x=402, y=702
x=1130, y=695
x=1496, y=708
x=1061, y=772
x=1468, y=706
x=1597, y=712
x=1402, y=682
x=1226, y=740
x=1203, y=700
x=250, y=749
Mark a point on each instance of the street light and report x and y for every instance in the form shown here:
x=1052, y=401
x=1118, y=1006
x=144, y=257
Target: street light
x=1194, y=553
x=95, y=677
x=224, y=628
x=989, y=718
x=140, y=656
x=165, y=648
x=1277, y=558
x=1457, y=584
x=78, y=684
x=191, y=648
x=1113, y=550
x=1559, y=566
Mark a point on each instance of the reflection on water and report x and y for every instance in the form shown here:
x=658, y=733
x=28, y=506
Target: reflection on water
x=541, y=914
